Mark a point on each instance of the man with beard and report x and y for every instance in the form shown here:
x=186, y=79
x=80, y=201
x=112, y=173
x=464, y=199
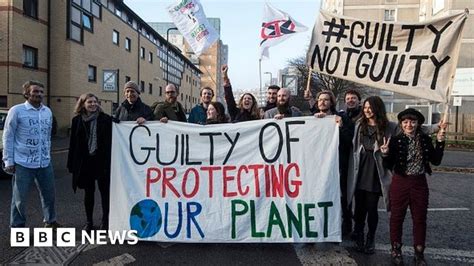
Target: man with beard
x=283, y=108
x=26, y=154
x=326, y=105
x=198, y=114
x=170, y=109
x=133, y=109
x=272, y=93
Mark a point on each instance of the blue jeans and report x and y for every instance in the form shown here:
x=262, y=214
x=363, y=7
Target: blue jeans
x=21, y=182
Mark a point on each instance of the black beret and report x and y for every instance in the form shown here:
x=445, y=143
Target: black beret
x=413, y=113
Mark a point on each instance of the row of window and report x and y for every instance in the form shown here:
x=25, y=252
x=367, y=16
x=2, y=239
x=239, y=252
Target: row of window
x=82, y=13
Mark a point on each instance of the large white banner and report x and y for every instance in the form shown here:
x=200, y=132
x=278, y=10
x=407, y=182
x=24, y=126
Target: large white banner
x=417, y=59
x=189, y=18
x=259, y=181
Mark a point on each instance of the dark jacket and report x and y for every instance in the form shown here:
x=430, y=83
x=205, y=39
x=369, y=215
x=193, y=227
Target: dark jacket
x=78, y=151
x=398, y=153
x=269, y=106
x=198, y=115
x=236, y=115
x=170, y=111
x=131, y=112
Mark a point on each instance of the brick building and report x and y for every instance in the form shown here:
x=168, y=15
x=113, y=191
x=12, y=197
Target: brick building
x=78, y=46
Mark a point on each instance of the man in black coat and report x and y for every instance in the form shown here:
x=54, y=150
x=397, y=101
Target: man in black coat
x=133, y=109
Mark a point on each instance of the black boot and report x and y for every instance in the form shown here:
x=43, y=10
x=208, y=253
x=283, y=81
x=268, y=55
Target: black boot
x=419, y=256
x=358, y=238
x=396, y=254
x=370, y=244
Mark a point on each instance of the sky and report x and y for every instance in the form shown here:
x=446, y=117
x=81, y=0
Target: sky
x=240, y=27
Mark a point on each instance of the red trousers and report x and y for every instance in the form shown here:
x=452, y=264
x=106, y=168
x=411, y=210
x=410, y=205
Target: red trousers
x=408, y=191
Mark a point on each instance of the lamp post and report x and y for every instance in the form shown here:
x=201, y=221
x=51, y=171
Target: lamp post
x=168, y=51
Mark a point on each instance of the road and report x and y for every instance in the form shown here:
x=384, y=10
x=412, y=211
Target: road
x=450, y=238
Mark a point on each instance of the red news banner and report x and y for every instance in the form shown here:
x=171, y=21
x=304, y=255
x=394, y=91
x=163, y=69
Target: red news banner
x=260, y=181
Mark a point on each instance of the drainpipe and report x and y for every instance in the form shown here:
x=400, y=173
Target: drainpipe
x=48, y=58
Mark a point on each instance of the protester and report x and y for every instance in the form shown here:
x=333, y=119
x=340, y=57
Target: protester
x=326, y=105
x=170, y=109
x=26, y=154
x=216, y=113
x=283, y=108
x=352, y=100
x=368, y=179
x=133, y=109
x=247, y=109
x=198, y=113
x=89, y=155
x=272, y=92
x=409, y=155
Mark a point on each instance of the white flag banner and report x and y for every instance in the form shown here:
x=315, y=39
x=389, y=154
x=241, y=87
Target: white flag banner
x=189, y=18
x=277, y=26
x=417, y=59
x=258, y=181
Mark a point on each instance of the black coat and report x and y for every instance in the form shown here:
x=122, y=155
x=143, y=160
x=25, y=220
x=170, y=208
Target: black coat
x=79, y=163
x=131, y=112
x=236, y=115
x=398, y=153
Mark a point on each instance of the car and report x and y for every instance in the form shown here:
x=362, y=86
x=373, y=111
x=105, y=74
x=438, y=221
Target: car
x=3, y=116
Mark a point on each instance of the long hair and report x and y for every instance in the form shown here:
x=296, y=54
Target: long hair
x=380, y=114
x=331, y=97
x=254, y=113
x=220, y=110
x=79, y=108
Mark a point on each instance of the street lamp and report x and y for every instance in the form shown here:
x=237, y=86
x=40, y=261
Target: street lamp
x=168, y=51
x=269, y=83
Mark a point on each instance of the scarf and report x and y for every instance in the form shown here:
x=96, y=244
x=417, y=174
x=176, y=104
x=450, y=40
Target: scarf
x=92, y=134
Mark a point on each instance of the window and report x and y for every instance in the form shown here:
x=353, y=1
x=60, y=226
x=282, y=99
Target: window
x=390, y=15
x=92, y=73
x=86, y=4
x=87, y=22
x=3, y=101
x=118, y=12
x=142, y=86
x=127, y=44
x=150, y=88
x=96, y=10
x=127, y=79
x=115, y=37
x=30, y=57
x=150, y=57
x=142, y=53
x=161, y=91
x=30, y=8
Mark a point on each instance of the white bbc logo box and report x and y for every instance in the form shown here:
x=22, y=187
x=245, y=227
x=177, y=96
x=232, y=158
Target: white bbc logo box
x=43, y=237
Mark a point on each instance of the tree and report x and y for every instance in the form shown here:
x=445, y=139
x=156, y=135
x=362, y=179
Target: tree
x=321, y=82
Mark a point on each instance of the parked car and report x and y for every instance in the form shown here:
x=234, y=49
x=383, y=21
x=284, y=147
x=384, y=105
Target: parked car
x=3, y=116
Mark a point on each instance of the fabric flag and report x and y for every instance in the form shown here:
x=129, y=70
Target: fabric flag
x=189, y=18
x=277, y=26
x=416, y=59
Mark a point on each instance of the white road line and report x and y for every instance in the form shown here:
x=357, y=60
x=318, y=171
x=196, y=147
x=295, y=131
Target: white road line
x=323, y=253
x=119, y=260
x=438, y=209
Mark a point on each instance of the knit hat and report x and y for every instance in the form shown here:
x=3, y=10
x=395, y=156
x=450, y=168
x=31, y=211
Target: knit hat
x=411, y=113
x=132, y=85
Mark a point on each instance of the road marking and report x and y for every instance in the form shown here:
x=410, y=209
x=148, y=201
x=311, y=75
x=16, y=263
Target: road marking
x=438, y=209
x=119, y=260
x=48, y=255
x=323, y=253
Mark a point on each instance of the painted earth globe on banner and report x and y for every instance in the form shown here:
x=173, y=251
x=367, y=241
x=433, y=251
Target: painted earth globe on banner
x=146, y=218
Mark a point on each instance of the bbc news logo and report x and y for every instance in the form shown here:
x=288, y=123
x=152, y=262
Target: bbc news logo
x=66, y=237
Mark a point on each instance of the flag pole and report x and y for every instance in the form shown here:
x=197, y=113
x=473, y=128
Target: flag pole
x=260, y=77
x=307, y=92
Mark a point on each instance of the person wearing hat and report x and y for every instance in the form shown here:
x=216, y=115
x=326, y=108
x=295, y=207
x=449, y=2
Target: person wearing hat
x=133, y=109
x=409, y=155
